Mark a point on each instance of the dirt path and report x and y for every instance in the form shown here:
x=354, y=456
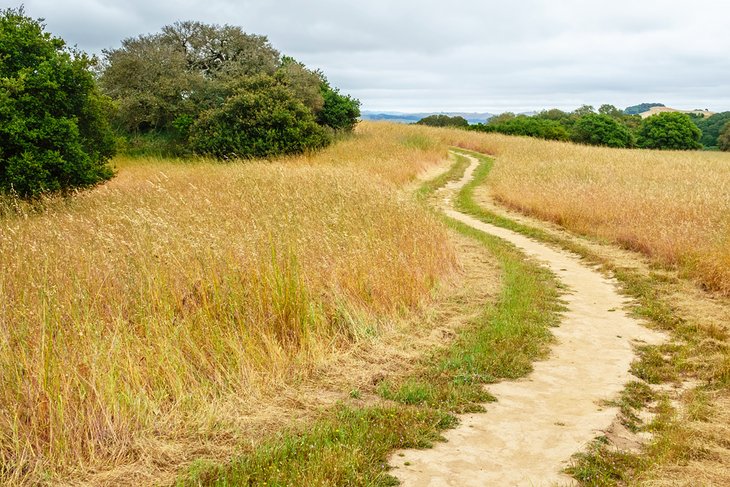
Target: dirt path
x=528, y=436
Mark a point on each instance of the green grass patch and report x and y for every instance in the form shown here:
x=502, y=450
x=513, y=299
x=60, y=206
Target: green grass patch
x=350, y=448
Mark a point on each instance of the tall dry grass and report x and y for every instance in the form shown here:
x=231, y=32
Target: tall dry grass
x=147, y=311
x=672, y=206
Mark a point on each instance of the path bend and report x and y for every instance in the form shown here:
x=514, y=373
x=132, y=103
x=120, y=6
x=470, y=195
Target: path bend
x=529, y=435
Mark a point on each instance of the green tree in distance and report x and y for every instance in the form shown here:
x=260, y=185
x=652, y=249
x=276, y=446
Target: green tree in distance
x=670, y=130
x=54, y=135
x=723, y=141
x=711, y=127
x=601, y=129
x=441, y=120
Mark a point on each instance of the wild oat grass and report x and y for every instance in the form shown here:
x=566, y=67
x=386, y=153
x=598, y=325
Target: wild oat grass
x=673, y=206
x=154, y=306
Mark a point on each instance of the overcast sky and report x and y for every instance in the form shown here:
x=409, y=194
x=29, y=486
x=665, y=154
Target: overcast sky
x=459, y=55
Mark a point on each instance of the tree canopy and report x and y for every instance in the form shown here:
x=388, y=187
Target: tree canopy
x=54, y=134
x=602, y=129
x=711, y=127
x=529, y=126
x=191, y=77
x=723, y=140
x=670, y=130
x=261, y=118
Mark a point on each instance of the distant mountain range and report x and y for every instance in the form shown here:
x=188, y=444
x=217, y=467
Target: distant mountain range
x=401, y=117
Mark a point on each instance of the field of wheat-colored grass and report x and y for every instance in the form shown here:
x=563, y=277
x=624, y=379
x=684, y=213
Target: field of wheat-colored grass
x=673, y=206
x=148, y=310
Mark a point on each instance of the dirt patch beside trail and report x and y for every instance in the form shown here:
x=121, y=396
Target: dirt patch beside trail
x=539, y=422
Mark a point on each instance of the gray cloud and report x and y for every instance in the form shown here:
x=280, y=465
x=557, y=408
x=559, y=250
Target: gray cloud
x=463, y=54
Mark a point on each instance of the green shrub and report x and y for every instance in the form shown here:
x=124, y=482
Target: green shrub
x=340, y=112
x=670, y=130
x=260, y=119
x=600, y=129
x=54, y=134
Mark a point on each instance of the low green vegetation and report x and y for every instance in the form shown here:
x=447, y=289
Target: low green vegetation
x=54, y=134
x=608, y=127
x=350, y=446
x=529, y=126
x=444, y=121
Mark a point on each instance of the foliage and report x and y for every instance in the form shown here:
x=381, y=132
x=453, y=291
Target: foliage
x=53, y=132
x=711, y=127
x=339, y=112
x=530, y=126
x=186, y=68
x=670, y=130
x=187, y=81
x=305, y=84
x=444, y=121
x=260, y=119
x=557, y=115
x=502, y=117
x=723, y=140
x=583, y=110
x=601, y=129
x=641, y=108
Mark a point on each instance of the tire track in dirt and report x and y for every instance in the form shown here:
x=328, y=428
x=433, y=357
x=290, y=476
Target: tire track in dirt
x=529, y=435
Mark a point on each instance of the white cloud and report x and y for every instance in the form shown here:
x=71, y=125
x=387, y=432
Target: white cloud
x=463, y=54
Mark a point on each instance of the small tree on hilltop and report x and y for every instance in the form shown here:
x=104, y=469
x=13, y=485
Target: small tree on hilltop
x=723, y=141
x=671, y=130
x=54, y=135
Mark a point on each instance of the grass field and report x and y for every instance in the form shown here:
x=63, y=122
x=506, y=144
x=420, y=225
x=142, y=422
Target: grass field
x=146, y=312
x=138, y=319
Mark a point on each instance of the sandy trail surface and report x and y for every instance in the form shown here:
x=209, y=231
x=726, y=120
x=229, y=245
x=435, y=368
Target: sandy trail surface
x=529, y=435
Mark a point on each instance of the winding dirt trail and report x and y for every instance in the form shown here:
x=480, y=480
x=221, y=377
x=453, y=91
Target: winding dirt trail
x=529, y=435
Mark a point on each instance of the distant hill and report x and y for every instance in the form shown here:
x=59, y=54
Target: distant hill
x=399, y=117
x=649, y=109
x=641, y=108
x=654, y=110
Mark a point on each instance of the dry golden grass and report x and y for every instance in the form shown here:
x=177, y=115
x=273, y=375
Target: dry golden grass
x=673, y=206
x=151, y=308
